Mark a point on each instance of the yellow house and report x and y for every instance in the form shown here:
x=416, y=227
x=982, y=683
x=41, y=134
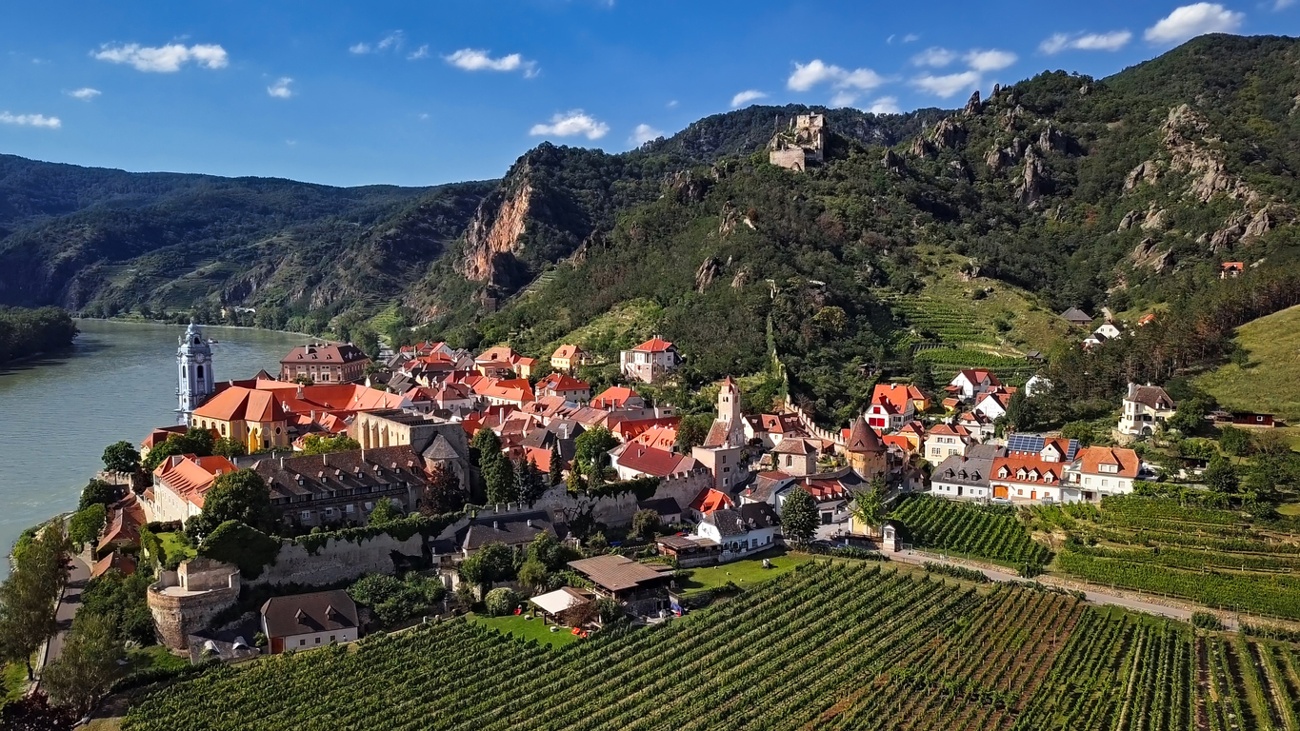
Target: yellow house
x=568, y=358
x=251, y=417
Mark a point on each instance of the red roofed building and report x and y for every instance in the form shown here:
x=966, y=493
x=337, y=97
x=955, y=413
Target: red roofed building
x=944, y=441
x=618, y=397
x=512, y=391
x=255, y=418
x=710, y=500
x=122, y=525
x=181, y=481
x=1100, y=471
x=650, y=360
x=567, y=387
x=1023, y=477
x=894, y=404
x=568, y=358
x=1231, y=269
x=972, y=382
x=634, y=460
x=324, y=362
x=658, y=437
x=502, y=360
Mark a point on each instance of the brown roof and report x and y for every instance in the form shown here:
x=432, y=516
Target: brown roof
x=796, y=445
x=1153, y=397
x=566, y=352
x=654, y=345
x=302, y=614
x=324, y=353
x=123, y=563
x=863, y=439
x=1091, y=459
x=333, y=475
x=655, y=462
x=619, y=573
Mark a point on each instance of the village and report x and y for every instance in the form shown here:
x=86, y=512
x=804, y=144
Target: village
x=435, y=480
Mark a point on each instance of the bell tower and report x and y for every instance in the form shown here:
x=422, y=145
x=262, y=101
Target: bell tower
x=194, y=366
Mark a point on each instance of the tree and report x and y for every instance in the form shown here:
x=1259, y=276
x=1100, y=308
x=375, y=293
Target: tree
x=1220, y=476
x=194, y=441
x=533, y=574
x=386, y=511
x=499, y=476
x=869, y=507
x=86, y=525
x=490, y=564
x=549, y=552
x=229, y=448
x=241, y=496
x=556, y=475
x=98, y=491
x=84, y=671
x=121, y=600
x=121, y=457
x=1081, y=430
x=923, y=376
x=500, y=602
x=692, y=430
x=28, y=595
x=442, y=493
x=799, y=516
x=1234, y=442
x=531, y=484
x=590, y=449
x=33, y=712
x=318, y=444
x=486, y=446
x=645, y=524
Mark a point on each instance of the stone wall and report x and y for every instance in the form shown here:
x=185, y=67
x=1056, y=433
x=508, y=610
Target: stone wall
x=337, y=560
x=179, y=611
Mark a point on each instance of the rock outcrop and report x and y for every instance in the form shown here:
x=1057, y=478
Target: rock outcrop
x=921, y=147
x=1157, y=219
x=1184, y=137
x=948, y=134
x=973, y=106
x=892, y=162
x=1148, y=254
x=1146, y=172
x=1034, y=183
x=1128, y=221
x=1261, y=224
x=495, y=231
x=707, y=272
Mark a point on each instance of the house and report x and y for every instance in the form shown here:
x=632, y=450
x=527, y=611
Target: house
x=640, y=587
x=1100, y=471
x=897, y=393
x=894, y=404
x=122, y=527
x=659, y=437
x=304, y=621
x=253, y=417
x=342, y=488
x=977, y=425
x=994, y=403
x=972, y=382
x=945, y=440
x=832, y=492
x=180, y=482
x=1146, y=319
x=708, y=501
x=689, y=551
x=1231, y=269
x=741, y=531
x=501, y=361
x=650, y=360
x=633, y=460
x=1036, y=385
x=796, y=457
x=115, y=561
x=867, y=455
x=770, y=429
x=1109, y=330
x=567, y=387
x=1032, y=468
x=965, y=477
x=1146, y=409
x=568, y=358
x=1077, y=317
x=1245, y=419
x=670, y=513
x=514, y=529
x=617, y=397
x=325, y=362
x=723, y=451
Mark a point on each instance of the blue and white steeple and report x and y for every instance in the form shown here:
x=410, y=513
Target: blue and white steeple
x=194, y=363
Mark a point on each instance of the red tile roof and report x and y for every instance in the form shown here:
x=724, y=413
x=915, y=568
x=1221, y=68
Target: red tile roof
x=1048, y=473
x=654, y=345
x=614, y=397
x=710, y=500
x=567, y=352
x=190, y=477
x=559, y=383
x=898, y=395
x=655, y=462
x=1126, y=462
x=658, y=437
x=243, y=404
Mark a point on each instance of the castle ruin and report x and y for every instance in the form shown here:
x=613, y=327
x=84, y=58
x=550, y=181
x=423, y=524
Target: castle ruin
x=799, y=145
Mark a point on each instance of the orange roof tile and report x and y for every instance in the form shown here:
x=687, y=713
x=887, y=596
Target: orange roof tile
x=654, y=345
x=1126, y=462
x=710, y=500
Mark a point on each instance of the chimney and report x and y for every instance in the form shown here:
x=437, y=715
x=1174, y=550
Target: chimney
x=282, y=461
x=496, y=525
x=530, y=522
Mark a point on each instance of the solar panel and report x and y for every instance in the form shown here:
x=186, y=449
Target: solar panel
x=1025, y=443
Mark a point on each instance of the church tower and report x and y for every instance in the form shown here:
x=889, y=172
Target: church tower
x=729, y=402
x=194, y=363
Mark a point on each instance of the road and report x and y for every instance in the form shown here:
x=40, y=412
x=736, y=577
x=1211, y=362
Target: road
x=1093, y=595
x=69, y=603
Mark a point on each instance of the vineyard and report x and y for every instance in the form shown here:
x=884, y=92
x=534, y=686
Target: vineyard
x=828, y=646
x=1219, y=558
x=989, y=532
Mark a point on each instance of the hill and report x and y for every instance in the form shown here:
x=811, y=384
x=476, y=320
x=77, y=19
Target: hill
x=1265, y=374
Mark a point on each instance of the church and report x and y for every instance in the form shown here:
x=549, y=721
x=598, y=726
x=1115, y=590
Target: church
x=196, y=383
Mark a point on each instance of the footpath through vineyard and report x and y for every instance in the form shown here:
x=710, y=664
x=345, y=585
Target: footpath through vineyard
x=830, y=645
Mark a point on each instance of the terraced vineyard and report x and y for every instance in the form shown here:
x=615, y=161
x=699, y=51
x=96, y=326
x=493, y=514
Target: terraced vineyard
x=1219, y=558
x=828, y=646
x=980, y=531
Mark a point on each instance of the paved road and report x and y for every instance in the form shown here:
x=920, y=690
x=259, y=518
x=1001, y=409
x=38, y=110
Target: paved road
x=1093, y=595
x=68, y=606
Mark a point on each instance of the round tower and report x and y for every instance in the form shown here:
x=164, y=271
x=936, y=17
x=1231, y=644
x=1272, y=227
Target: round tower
x=194, y=372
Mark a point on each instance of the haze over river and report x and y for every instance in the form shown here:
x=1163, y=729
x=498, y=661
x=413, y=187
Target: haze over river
x=118, y=382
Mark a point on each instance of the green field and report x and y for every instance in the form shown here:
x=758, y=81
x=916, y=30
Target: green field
x=829, y=645
x=173, y=545
x=745, y=573
x=526, y=629
x=1270, y=379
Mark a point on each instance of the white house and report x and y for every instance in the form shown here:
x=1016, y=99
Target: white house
x=750, y=528
x=1036, y=385
x=1100, y=471
x=993, y=405
x=945, y=440
x=1108, y=330
x=972, y=382
x=650, y=360
x=305, y=621
x=1146, y=408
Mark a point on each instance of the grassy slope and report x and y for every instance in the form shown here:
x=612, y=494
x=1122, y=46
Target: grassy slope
x=527, y=629
x=745, y=573
x=1270, y=381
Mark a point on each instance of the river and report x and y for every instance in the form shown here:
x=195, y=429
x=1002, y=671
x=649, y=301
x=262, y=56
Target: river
x=117, y=382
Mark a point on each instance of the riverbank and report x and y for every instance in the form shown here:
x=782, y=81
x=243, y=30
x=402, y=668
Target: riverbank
x=145, y=321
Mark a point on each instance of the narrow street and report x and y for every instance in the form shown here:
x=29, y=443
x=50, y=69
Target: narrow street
x=69, y=603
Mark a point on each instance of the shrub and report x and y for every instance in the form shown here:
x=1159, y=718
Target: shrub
x=1206, y=620
x=501, y=601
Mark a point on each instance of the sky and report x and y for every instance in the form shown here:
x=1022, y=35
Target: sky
x=421, y=93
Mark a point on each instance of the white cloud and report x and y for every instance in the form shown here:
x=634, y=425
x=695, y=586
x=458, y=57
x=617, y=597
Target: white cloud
x=391, y=42
x=1193, y=20
x=573, y=123
x=423, y=116
x=935, y=57
x=672, y=104
x=884, y=105
x=419, y=53
x=991, y=60
x=747, y=96
x=911, y=38
x=843, y=99
x=815, y=72
x=280, y=89
x=85, y=93
x=1283, y=4
x=948, y=85
x=1112, y=41
x=164, y=59
x=645, y=133
x=30, y=120
x=473, y=59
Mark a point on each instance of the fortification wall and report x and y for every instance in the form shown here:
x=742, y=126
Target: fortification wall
x=811, y=427
x=176, y=616
x=337, y=560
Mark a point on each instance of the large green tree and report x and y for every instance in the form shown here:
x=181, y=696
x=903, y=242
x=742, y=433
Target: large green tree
x=442, y=493
x=242, y=496
x=28, y=595
x=121, y=457
x=86, y=525
x=591, y=449
x=88, y=665
x=98, y=491
x=318, y=444
x=869, y=506
x=799, y=516
x=531, y=482
x=489, y=564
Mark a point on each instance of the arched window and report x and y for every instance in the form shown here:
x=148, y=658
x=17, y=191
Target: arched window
x=200, y=373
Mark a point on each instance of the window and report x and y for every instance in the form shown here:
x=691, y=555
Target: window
x=331, y=638
x=302, y=642
x=318, y=640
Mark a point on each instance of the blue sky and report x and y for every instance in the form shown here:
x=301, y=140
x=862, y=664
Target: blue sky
x=419, y=93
